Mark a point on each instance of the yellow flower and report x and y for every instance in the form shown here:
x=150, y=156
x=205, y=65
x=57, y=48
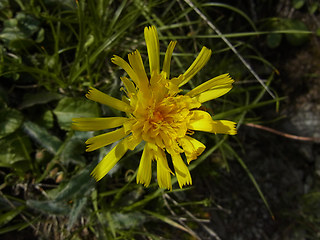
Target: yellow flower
x=156, y=114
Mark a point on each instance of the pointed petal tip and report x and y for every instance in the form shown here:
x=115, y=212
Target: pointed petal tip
x=185, y=184
x=233, y=131
x=95, y=175
x=206, y=51
x=150, y=28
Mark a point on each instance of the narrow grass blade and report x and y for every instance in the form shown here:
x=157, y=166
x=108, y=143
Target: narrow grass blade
x=256, y=185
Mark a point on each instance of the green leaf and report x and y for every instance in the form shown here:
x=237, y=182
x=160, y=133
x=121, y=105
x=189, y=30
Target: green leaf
x=313, y=7
x=50, y=207
x=47, y=119
x=68, y=4
x=40, y=36
x=42, y=136
x=296, y=39
x=78, y=186
x=39, y=98
x=76, y=210
x=17, y=32
x=89, y=41
x=27, y=24
x=14, y=149
x=76, y=189
x=8, y=216
x=69, y=108
x=127, y=220
x=11, y=31
x=10, y=121
x=17, y=227
x=274, y=40
x=72, y=152
x=311, y=199
x=4, y=4
x=21, y=43
x=297, y=4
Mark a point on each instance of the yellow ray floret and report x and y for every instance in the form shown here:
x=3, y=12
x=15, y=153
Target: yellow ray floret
x=163, y=170
x=181, y=170
x=144, y=171
x=202, y=121
x=137, y=66
x=125, y=66
x=167, y=59
x=152, y=42
x=196, y=66
x=105, y=139
x=212, y=88
x=110, y=160
x=96, y=124
x=131, y=89
x=100, y=97
x=192, y=147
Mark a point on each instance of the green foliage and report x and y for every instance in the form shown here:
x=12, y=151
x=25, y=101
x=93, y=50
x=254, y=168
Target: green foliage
x=17, y=32
x=69, y=108
x=10, y=122
x=43, y=137
x=298, y=3
x=51, y=51
x=295, y=31
x=15, y=151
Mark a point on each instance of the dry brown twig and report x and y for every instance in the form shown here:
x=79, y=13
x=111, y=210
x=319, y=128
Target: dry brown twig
x=286, y=135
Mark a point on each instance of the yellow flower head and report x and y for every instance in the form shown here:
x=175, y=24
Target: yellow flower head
x=157, y=114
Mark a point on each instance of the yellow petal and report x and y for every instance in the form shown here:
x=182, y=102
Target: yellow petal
x=100, y=97
x=96, y=124
x=105, y=139
x=202, y=121
x=125, y=66
x=224, y=127
x=128, y=85
x=219, y=82
x=137, y=66
x=152, y=42
x=133, y=141
x=108, y=162
x=163, y=177
x=196, y=66
x=192, y=147
x=165, y=138
x=167, y=59
x=125, y=99
x=161, y=158
x=144, y=172
x=212, y=93
x=128, y=125
x=181, y=170
x=163, y=170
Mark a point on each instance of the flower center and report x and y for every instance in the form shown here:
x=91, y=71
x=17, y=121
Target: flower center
x=163, y=122
x=157, y=117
